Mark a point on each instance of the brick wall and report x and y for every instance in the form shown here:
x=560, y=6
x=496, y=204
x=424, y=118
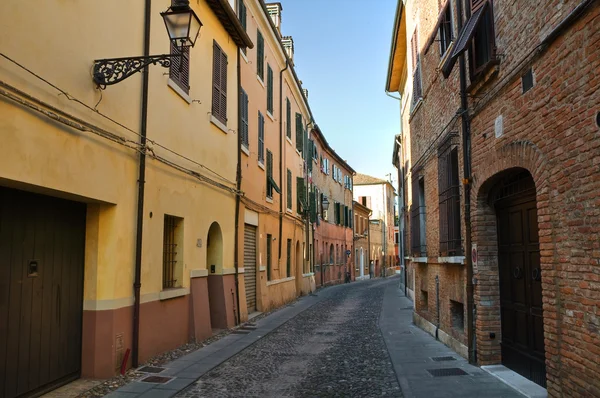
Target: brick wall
x=550, y=131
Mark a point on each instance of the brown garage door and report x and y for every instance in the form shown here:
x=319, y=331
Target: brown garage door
x=250, y=266
x=41, y=291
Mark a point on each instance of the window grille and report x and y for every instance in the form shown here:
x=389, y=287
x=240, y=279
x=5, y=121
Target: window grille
x=449, y=199
x=171, y=246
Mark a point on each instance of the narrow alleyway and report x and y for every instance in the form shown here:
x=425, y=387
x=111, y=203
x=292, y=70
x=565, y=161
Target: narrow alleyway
x=332, y=349
x=352, y=340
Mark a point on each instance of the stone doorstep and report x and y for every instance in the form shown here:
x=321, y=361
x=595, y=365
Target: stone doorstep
x=525, y=386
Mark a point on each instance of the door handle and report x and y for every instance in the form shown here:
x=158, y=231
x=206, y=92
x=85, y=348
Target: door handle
x=536, y=274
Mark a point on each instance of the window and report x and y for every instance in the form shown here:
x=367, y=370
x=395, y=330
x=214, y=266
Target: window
x=445, y=29
x=417, y=92
x=269, y=271
x=179, y=71
x=289, y=189
x=244, y=118
x=219, y=97
x=271, y=185
x=172, y=252
x=260, y=55
x=483, y=45
x=288, y=118
x=288, y=264
x=449, y=195
x=261, y=137
x=269, y=89
x=299, y=133
x=300, y=195
x=478, y=36
x=418, y=239
x=331, y=254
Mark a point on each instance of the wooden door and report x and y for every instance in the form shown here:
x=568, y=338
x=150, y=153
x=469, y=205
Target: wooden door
x=41, y=291
x=521, y=287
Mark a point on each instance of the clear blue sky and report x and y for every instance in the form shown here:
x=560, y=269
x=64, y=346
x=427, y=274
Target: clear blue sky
x=341, y=55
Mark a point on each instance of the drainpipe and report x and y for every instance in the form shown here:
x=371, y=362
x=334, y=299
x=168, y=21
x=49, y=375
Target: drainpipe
x=466, y=150
x=238, y=180
x=281, y=153
x=137, y=284
x=308, y=223
x=437, y=305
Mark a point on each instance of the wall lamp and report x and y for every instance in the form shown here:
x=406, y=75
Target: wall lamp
x=183, y=27
x=325, y=203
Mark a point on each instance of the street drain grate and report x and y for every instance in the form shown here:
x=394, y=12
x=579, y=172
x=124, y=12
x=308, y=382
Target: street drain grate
x=440, y=359
x=447, y=372
x=156, y=379
x=151, y=369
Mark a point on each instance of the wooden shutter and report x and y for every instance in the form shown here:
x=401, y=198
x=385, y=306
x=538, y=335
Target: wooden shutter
x=313, y=206
x=476, y=5
x=299, y=133
x=269, y=174
x=261, y=137
x=416, y=63
x=415, y=228
x=260, y=55
x=269, y=89
x=219, y=97
x=300, y=194
x=242, y=14
x=289, y=189
x=288, y=117
x=179, y=70
x=310, y=155
x=244, y=118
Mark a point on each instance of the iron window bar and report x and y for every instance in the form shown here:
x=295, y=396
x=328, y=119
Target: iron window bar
x=169, y=253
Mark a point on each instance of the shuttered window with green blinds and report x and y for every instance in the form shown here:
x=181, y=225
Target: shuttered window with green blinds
x=260, y=55
x=269, y=89
x=289, y=189
x=244, y=118
x=299, y=133
x=300, y=195
x=311, y=148
x=179, y=71
x=261, y=137
x=288, y=118
x=313, y=206
x=288, y=263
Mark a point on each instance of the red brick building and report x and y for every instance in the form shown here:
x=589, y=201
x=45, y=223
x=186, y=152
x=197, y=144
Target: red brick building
x=330, y=179
x=501, y=149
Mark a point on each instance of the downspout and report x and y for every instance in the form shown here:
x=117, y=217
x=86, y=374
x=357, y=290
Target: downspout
x=281, y=153
x=238, y=180
x=401, y=217
x=466, y=150
x=308, y=223
x=137, y=284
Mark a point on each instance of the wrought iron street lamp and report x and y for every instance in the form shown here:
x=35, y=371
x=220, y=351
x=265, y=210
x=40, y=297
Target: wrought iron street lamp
x=183, y=27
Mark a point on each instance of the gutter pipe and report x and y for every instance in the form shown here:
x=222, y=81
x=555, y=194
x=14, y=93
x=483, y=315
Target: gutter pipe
x=137, y=284
x=467, y=179
x=287, y=64
x=236, y=244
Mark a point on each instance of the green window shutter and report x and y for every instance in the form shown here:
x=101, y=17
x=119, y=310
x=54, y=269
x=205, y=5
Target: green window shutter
x=244, y=118
x=311, y=149
x=289, y=189
x=260, y=55
x=288, y=116
x=261, y=137
x=269, y=174
x=313, y=207
x=269, y=89
x=300, y=194
x=299, y=132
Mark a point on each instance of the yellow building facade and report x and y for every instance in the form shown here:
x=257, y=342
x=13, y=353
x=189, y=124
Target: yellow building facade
x=273, y=254
x=70, y=184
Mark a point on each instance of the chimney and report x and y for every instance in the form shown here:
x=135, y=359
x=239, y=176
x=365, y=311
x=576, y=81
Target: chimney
x=305, y=92
x=275, y=14
x=288, y=46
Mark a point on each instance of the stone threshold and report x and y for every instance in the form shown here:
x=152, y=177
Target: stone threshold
x=511, y=378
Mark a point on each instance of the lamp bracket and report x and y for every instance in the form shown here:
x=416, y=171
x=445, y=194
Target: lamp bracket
x=114, y=70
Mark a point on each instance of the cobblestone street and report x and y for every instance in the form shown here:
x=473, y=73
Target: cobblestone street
x=333, y=349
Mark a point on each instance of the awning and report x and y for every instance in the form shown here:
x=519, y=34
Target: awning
x=464, y=38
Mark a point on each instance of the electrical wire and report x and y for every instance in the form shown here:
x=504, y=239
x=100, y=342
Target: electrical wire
x=72, y=98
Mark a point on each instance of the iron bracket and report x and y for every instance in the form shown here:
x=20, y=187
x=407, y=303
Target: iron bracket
x=114, y=70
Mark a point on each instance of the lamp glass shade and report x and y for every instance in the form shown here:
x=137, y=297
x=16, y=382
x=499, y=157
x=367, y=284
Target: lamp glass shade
x=325, y=204
x=183, y=26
